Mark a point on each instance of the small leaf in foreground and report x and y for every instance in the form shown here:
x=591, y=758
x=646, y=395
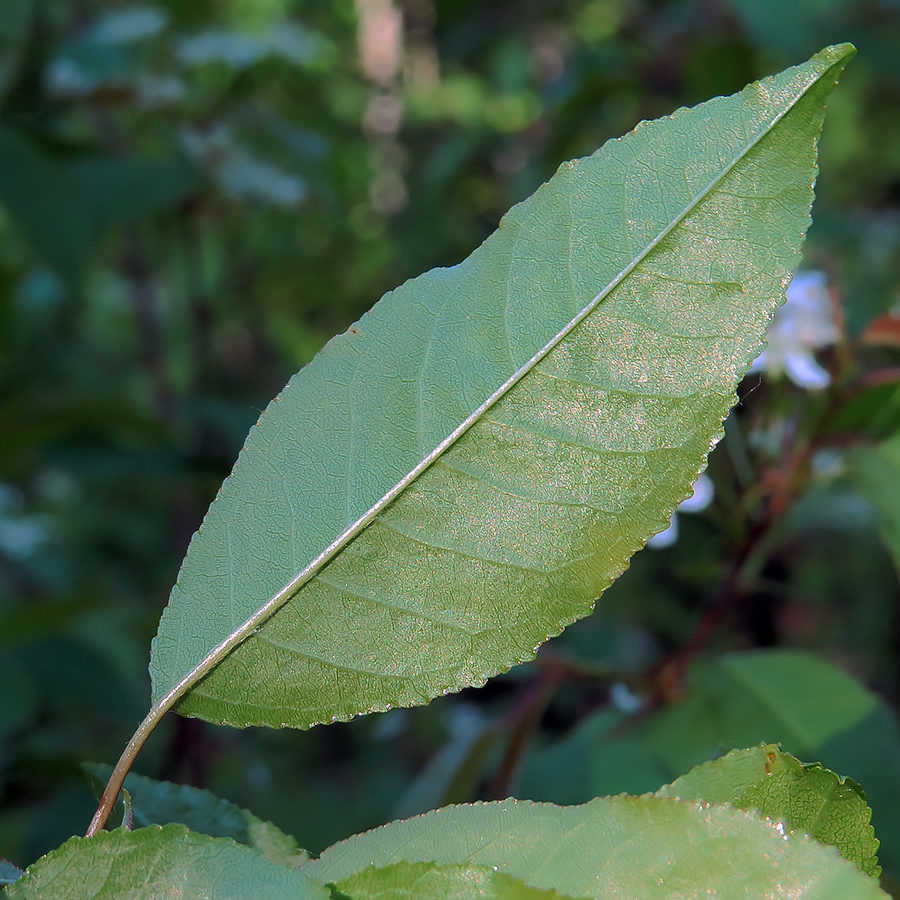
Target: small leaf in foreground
x=161, y=802
x=430, y=881
x=797, y=699
x=816, y=801
x=460, y=475
x=613, y=847
x=156, y=862
x=806, y=797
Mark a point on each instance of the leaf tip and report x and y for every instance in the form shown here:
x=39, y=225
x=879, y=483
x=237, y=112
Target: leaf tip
x=836, y=55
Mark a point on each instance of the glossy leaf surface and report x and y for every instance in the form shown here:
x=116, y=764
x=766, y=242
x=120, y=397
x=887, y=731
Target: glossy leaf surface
x=646, y=847
x=806, y=798
x=158, y=862
x=161, y=803
x=723, y=780
x=429, y=881
x=463, y=472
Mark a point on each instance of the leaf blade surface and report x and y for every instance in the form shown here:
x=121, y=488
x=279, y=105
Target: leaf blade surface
x=806, y=797
x=463, y=472
x=647, y=847
x=429, y=881
x=167, y=861
x=162, y=802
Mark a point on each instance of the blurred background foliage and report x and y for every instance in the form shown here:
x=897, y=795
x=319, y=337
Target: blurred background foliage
x=195, y=195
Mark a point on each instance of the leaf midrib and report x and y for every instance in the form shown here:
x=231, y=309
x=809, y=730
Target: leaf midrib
x=293, y=587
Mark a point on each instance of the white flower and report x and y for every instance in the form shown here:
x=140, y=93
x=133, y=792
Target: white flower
x=697, y=502
x=805, y=323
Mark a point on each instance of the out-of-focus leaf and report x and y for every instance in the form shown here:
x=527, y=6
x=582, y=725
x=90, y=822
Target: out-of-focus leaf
x=239, y=172
x=14, y=23
x=873, y=412
x=161, y=802
x=452, y=774
x=794, y=698
x=430, y=881
x=591, y=761
x=459, y=475
x=289, y=40
x=124, y=189
x=42, y=197
x=17, y=697
x=8, y=872
x=791, y=27
x=816, y=801
x=156, y=862
x=63, y=205
x=733, y=701
x=876, y=471
x=133, y=23
x=806, y=798
x=646, y=847
x=725, y=779
x=85, y=67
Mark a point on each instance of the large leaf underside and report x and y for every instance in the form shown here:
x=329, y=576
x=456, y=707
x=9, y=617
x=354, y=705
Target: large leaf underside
x=564, y=385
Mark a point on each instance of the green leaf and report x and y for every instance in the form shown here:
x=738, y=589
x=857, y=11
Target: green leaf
x=40, y=194
x=125, y=189
x=876, y=471
x=725, y=779
x=789, y=27
x=778, y=696
x=14, y=24
x=462, y=473
x=646, y=847
x=595, y=759
x=8, y=872
x=806, y=797
x=161, y=802
x=429, y=881
x=63, y=205
x=18, y=699
x=809, y=706
x=156, y=862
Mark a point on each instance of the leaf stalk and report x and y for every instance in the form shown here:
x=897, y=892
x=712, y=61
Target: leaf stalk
x=122, y=767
